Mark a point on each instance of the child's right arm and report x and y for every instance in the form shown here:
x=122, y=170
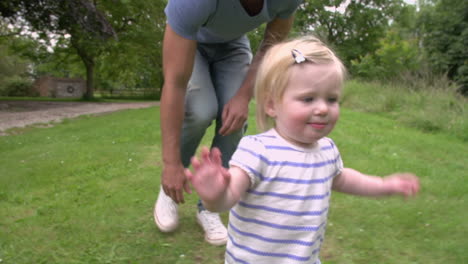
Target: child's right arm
x=219, y=188
x=354, y=182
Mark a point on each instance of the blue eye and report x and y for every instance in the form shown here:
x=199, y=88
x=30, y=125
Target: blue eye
x=307, y=99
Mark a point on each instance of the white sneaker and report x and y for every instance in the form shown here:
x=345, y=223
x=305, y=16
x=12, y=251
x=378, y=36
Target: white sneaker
x=215, y=231
x=165, y=213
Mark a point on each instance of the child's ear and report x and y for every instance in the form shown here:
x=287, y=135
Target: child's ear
x=270, y=109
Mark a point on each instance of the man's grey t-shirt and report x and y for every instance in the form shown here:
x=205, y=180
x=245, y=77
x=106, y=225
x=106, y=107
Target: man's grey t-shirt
x=218, y=21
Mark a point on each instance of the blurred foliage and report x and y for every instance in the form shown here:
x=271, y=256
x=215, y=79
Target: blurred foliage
x=394, y=57
x=118, y=42
x=85, y=26
x=444, y=35
x=353, y=31
x=15, y=73
x=391, y=40
x=16, y=86
x=376, y=39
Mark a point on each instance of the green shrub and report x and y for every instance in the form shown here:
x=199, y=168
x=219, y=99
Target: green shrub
x=16, y=86
x=394, y=57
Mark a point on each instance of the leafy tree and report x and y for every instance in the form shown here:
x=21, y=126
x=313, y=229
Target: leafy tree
x=397, y=55
x=354, y=31
x=79, y=19
x=15, y=69
x=394, y=57
x=11, y=64
x=134, y=60
x=444, y=34
x=404, y=22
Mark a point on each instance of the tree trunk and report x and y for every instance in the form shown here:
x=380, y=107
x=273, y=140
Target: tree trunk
x=88, y=61
x=89, y=94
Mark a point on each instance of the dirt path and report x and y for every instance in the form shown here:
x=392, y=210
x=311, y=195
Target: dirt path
x=24, y=113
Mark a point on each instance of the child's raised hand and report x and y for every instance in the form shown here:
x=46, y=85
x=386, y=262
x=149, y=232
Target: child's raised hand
x=405, y=184
x=209, y=178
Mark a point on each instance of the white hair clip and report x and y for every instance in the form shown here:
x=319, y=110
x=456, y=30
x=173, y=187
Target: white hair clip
x=297, y=55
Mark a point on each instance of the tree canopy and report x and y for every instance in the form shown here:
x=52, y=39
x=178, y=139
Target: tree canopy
x=121, y=39
x=119, y=42
x=353, y=28
x=444, y=29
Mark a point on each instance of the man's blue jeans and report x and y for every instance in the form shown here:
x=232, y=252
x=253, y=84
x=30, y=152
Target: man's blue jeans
x=218, y=72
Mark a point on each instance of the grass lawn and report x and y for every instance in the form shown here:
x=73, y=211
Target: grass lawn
x=83, y=191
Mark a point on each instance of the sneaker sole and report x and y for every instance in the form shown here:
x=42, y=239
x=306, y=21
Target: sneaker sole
x=214, y=242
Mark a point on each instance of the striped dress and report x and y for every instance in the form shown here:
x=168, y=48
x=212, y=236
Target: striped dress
x=282, y=217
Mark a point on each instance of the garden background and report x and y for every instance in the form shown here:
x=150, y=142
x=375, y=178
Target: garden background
x=83, y=190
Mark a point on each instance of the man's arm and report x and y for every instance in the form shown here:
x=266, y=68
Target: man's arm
x=178, y=60
x=235, y=112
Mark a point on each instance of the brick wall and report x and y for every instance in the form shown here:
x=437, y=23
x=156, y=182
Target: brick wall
x=60, y=87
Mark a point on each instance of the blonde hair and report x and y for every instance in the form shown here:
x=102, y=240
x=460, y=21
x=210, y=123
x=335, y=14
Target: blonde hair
x=274, y=71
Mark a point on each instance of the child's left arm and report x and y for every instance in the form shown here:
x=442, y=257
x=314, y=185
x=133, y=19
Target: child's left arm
x=354, y=182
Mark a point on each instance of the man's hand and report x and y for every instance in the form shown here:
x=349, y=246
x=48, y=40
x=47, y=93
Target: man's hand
x=174, y=182
x=234, y=115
